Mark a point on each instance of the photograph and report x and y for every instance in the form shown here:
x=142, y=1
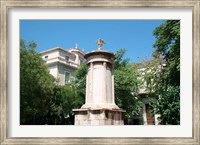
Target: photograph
x=123, y=72
x=99, y=72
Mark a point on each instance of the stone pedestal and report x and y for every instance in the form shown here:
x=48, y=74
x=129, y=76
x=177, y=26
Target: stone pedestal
x=98, y=117
x=99, y=107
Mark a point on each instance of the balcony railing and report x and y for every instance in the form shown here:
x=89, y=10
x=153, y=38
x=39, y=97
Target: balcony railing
x=62, y=60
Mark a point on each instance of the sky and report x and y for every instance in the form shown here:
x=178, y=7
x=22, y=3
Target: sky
x=135, y=36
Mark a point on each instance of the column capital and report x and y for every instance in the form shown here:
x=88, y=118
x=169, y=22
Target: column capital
x=104, y=64
x=91, y=64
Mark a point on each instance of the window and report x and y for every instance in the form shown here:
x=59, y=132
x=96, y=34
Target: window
x=67, y=58
x=67, y=75
x=46, y=57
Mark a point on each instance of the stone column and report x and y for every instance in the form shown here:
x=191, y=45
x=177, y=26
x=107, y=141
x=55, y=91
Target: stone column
x=113, y=90
x=91, y=84
x=87, y=85
x=104, y=82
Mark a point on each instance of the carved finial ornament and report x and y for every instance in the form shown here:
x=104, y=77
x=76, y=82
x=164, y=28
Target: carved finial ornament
x=100, y=42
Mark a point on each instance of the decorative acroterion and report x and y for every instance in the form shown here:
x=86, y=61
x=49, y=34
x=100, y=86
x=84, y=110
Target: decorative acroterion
x=100, y=42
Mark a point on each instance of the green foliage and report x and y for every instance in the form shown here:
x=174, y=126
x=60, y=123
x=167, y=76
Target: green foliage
x=42, y=101
x=126, y=86
x=167, y=81
x=36, y=85
x=119, y=60
x=65, y=99
x=80, y=76
x=167, y=46
x=169, y=104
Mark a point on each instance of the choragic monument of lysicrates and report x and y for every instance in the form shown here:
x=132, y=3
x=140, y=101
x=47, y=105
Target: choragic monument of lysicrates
x=99, y=107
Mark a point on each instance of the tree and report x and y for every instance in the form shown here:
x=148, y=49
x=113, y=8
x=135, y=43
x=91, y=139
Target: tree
x=167, y=49
x=36, y=85
x=65, y=98
x=126, y=86
x=167, y=84
x=80, y=77
x=42, y=100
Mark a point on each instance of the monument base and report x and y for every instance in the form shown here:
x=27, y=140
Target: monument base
x=101, y=116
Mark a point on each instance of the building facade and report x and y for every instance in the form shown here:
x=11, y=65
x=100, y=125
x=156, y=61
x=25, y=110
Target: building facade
x=147, y=116
x=62, y=63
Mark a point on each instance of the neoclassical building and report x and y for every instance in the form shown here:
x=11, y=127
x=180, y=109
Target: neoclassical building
x=147, y=116
x=62, y=63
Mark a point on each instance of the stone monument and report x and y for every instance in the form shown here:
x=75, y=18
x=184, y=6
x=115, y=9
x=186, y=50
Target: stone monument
x=99, y=107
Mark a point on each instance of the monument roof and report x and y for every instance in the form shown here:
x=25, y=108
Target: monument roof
x=99, y=52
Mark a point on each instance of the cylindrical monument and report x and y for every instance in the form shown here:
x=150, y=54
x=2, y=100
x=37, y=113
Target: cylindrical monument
x=99, y=107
